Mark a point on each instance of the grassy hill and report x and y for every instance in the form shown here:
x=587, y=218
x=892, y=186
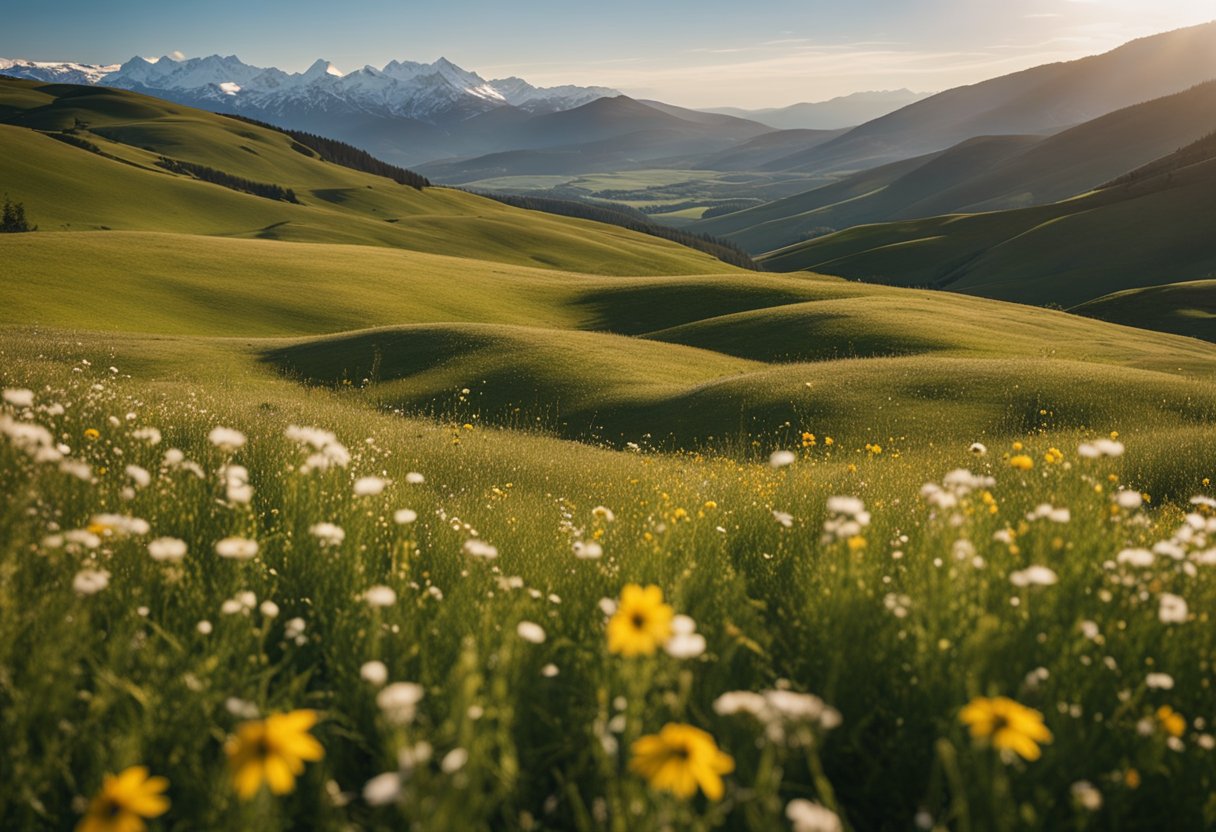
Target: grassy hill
x=121, y=186
x=1150, y=228
x=1181, y=308
x=439, y=539
x=984, y=174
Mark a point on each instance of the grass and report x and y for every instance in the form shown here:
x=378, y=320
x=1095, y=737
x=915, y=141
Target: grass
x=1187, y=308
x=557, y=385
x=69, y=188
x=929, y=596
x=1060, y=253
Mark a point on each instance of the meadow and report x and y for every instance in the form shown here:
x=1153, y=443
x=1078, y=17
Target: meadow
x=480, y=518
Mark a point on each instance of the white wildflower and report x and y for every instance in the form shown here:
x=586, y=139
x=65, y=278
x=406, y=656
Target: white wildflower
x=91, y=581
x=530, y=632
x=236, y=548
x=369, y=486
x=167, y=549
x=380, y=596
x=1173, y=609
x=226, y=439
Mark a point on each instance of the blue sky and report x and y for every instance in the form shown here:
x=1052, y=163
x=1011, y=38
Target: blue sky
x=705, y=53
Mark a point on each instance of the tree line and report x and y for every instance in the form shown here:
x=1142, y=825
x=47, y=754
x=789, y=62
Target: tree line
x=228, y=180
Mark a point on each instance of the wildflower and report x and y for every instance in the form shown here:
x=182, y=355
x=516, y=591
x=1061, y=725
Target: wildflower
x=414, y=478
x=91, y=581
x=139, y=476
x=369, y=486
x=680, y=759
x=808, y=816
x=978, y=449
x=1171, y=721
x=1101, y=448
x=236, y=548
x=454, y=761
x=399, y=702
x=1086, y=795
x=374, y=673
x=149, y=434
x=587, y=550
x=404, y=516
x=603, y=513
x=19, y=397
x=784, y=518
x=167, y=549
x=92, y=434
x=1159, y=681
x=479, y=549
x=549, y=671
x=272, y=751
x=1141, y=558
x=382, y=789
x=780, y=459
x=640, y=623
x=226, y=439
x=380, y=596
x=1008, y=725
x=204, y=628
x=531, y=632
x=269, y=609
x=327, y=533
x=118, y=525
x=1033, y=576
x=1021, y=462
x=1173, y=609
x=236, y=484
x=125, y=801
x=685, y=642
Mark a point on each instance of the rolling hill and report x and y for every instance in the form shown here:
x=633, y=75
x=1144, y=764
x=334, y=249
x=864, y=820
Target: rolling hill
x=983, y=174
x=1181, y=308
x=1148, y=228
x=594, y=331
x=88, y=158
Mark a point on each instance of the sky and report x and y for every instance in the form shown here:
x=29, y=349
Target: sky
x=745, y=53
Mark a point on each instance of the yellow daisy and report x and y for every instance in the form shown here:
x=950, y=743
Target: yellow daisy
x=681, y=758
x=641, y=623
x=1007, y=725
x=272, y=750
x=124, y=801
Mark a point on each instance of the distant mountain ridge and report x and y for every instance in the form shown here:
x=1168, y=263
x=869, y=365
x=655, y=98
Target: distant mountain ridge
x=841, y=111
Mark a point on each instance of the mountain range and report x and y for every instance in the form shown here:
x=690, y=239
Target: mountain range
x=406, y=111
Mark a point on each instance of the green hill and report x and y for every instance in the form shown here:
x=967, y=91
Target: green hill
x=1181, y=308
x=983, y=174
x=1150, y=228
x=110, y=177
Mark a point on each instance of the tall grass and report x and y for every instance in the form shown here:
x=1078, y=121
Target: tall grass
x=896, y=623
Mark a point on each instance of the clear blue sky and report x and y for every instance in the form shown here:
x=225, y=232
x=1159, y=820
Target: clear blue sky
x=702, y=53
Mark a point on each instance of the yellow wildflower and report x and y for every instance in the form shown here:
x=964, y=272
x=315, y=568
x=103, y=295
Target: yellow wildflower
x=1171, y=721
x=92, y=434
x=1008, y=725
x=272, y=750
x=641, y=623
x=680, y=759
x=1022, y=462
x=124, y=801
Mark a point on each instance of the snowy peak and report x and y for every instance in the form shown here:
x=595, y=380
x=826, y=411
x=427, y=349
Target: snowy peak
x=434, y=92
x=56, y=72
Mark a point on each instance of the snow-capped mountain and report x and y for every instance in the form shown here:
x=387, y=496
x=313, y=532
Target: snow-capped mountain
x=59, y=73
x=436, y=93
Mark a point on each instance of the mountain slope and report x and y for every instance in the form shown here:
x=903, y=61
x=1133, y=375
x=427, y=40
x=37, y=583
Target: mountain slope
x=1042, y=100
x=609, y=133
x=985, y=174
x=121, y=183
x=1151, y=227
x=1180, y=308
